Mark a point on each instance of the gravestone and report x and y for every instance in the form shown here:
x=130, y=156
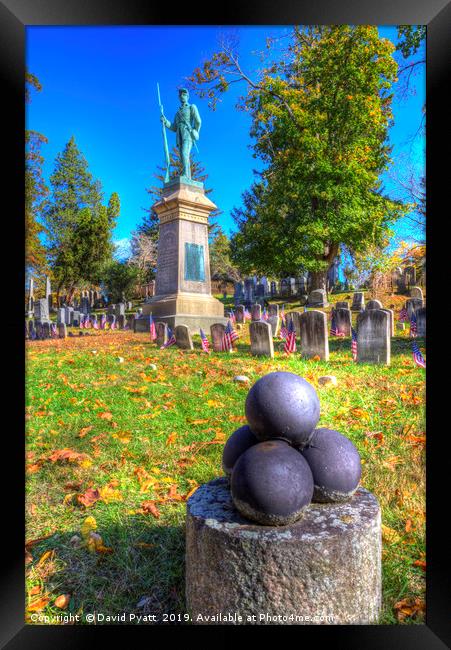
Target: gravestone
x=273, y=310
x=111, y=309
x=373, y=337
x=162, y=333
x=41, y=310
x=76, y=318
x=120, y=309
x=111, y=319
x=260, y=291
x=317, y=298
x=217, y=332
x=273, y=288
x=391, y=314
x=284, y=288
x=249, y=291
x=238, y=295
x=343, y=320
x=416, y=292
x=412, y=305
x=121, y=321
x=183, y=337
x=274, y=321
x=342, y=304
x=69, y=315
x=313, y=333
x=261, y=339
x=358, y=301
x=421, y=321
x=294, y=316
x=85, y=306
x=46, y=330
x=141, y=324
x=256, y=312
x=62, y=330
x=410, y=276
x=239, y=313
x=129, y=306
x=61, y=315
x=374, y=304
x=30, y=297
x=328, y=563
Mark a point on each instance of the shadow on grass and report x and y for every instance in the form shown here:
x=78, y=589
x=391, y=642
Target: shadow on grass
x=143, y=575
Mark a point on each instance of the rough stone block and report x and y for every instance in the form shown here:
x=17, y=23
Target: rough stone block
x=327, y=564
x=373, y=337
x=313, y=332
x=183, y=337
x=217, y=332
x=261, y=338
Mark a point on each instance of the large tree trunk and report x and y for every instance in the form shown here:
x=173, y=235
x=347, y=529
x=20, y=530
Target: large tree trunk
x=319, y=279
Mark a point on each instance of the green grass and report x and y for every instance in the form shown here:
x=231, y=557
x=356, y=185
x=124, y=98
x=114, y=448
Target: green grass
x=167, y=427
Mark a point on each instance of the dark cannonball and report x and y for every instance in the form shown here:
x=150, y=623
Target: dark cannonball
x=271, y=483
x=283, y=405
x=239, y=441
x=335, y=465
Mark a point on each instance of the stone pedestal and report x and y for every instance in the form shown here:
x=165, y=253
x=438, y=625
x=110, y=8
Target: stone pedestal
x=183, y=287
x=326, y=565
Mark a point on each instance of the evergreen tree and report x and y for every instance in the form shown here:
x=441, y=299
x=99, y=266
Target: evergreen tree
x=79, y=226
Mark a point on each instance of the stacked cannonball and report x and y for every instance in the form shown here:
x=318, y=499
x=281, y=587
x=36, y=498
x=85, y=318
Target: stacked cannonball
x=279, y=462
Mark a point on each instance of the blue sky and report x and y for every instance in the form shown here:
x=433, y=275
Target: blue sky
x=99, y=84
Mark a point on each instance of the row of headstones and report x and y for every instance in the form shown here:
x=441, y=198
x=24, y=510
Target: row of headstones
x=375, y=327
x=72, y=316
x=405, y=278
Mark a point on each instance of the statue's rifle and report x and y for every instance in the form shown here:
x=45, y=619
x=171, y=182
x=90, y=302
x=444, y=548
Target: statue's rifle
x=165, y=142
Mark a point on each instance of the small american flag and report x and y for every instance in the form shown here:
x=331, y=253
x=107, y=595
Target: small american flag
x=232, y=316
x=53, y=332
x=246, y=315
x=354, y=343
x=413, y=325
x=228, y=337
x=290, y=341
x=170, y=341
x=204, y=341
x=95, y=324
x=334, y=330
x=82, y=321
x=152, y=329
x=417, y=356
x=282, y=314
x=87, y=322
x=403, y=315
x=265, y=315
x=103, y=321
x=283, y=331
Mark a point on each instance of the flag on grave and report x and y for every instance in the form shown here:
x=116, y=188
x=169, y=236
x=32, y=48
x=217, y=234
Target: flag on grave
x=228, y=337
x=417, y=356
x=152, y=329
x=204, y=341
x=171, y=339
x=334, y=330
x=290, y=341
x=354, y=343
x=403, y=315
x=413, y=325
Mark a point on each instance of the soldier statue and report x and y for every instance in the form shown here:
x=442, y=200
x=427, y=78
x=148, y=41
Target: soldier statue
x=186, y=125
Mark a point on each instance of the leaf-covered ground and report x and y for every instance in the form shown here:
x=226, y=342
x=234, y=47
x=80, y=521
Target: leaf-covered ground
x=115, y=446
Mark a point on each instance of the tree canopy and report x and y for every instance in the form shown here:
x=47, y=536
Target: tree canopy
x=79, y=227
x=320, y=113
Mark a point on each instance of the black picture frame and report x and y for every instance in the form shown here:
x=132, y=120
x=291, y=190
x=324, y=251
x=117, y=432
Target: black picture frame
x=15, y=15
